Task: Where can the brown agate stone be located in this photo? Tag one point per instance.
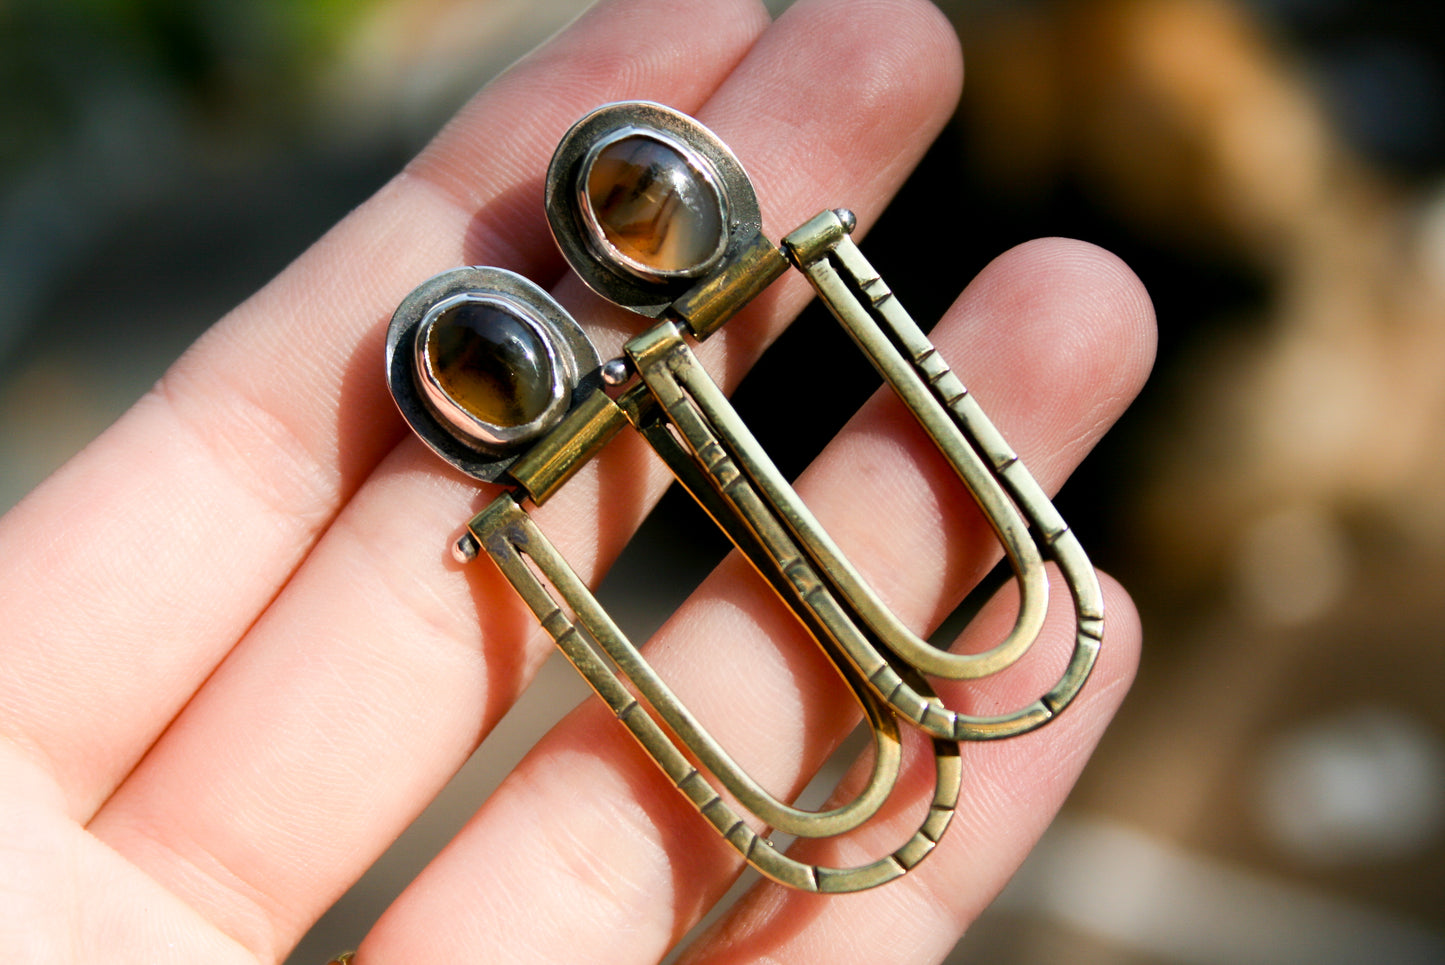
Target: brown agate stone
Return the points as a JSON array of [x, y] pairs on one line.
[[653, 207], [490, 363]]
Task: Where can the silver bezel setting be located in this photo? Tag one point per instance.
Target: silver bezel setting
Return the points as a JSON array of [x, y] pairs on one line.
[[647, 292], [482, 450]]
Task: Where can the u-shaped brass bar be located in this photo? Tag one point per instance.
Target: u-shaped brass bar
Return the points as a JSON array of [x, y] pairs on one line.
[[827, 588], [857, 296], [609, 662]]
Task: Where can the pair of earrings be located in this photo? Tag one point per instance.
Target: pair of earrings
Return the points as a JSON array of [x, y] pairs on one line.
[[654, 213]]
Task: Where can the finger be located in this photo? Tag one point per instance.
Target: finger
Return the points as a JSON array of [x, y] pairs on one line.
[[133, 571], [587, 832], [431, 654]]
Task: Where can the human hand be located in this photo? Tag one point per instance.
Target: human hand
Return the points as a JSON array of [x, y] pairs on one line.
[[238, 660]]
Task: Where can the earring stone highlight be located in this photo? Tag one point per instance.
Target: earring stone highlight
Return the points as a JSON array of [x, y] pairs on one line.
[[655, 214]]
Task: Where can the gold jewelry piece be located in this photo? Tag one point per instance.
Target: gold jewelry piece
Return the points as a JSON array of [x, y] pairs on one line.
[[343, 959], [655, 214]]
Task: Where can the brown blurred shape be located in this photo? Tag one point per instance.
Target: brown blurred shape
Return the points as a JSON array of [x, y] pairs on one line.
[[1287, 538]]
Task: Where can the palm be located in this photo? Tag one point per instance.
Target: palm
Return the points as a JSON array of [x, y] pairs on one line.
[[238, 661]]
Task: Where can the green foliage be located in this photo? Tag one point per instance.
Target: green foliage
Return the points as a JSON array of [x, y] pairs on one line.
[[240, 62]]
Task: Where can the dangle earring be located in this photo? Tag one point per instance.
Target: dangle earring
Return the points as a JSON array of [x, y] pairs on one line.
[[656, 215]]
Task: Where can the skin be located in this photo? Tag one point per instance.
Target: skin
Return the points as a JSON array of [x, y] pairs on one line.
[[238, 661]]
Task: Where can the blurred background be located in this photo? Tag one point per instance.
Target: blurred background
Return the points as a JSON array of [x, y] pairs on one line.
[[1274, 789]]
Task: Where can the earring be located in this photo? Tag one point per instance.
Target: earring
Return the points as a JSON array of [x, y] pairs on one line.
[[654, 213]]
